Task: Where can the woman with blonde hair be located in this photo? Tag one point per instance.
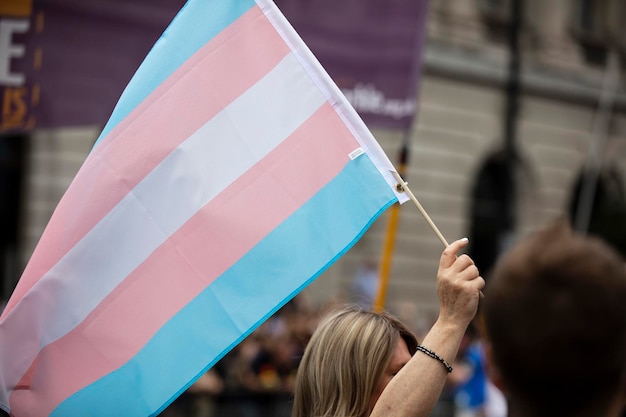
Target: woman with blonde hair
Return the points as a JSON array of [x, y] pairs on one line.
[[360, 363]]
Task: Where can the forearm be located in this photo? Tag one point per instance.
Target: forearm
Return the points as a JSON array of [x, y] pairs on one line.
[[414, 391]]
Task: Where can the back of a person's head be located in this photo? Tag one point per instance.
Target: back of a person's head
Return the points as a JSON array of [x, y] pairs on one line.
[[343, 361], [555, 315]]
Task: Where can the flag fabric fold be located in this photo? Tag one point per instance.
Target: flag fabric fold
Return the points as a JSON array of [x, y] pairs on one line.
[[230, 175]]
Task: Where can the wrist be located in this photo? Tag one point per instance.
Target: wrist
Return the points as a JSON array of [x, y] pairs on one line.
[[434, 355], [450, 326]]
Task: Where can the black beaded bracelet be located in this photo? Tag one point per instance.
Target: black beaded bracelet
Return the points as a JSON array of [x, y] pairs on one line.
[[435, 356]]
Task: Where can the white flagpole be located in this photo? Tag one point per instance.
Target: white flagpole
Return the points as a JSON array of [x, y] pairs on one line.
[[403, 186]]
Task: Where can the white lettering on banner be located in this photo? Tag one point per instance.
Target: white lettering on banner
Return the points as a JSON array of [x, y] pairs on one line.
[[9, 51], [367, 99]]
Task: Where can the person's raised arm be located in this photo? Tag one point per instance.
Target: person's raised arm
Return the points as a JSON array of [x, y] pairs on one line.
[[414, 391]]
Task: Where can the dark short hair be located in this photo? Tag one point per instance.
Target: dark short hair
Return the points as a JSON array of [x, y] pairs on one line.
[[555, 314]]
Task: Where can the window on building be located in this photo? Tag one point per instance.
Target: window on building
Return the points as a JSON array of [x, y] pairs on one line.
[[496, 15], [491, 214], [598, 26], [607, 219]]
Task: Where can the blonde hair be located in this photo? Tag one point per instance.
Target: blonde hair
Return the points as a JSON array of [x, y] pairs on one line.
[[344, 360]]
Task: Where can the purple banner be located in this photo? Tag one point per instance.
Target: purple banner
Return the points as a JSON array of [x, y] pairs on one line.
[[69, 60], [371, 48], [66, 62]]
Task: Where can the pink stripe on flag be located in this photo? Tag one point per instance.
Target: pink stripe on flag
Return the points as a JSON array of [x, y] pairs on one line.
[[292, 173], [175, 110]]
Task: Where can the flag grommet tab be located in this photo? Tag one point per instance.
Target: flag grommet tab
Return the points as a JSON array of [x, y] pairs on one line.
[[356, 153]]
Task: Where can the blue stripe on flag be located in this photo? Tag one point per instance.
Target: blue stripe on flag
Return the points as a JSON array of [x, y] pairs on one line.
[[196, 24], [242, 298]]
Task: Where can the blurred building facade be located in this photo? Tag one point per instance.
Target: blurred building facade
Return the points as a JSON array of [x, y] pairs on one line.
[[482, 117], [474, 127]]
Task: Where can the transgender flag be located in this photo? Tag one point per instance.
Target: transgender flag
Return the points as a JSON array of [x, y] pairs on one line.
[[230, 175]]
